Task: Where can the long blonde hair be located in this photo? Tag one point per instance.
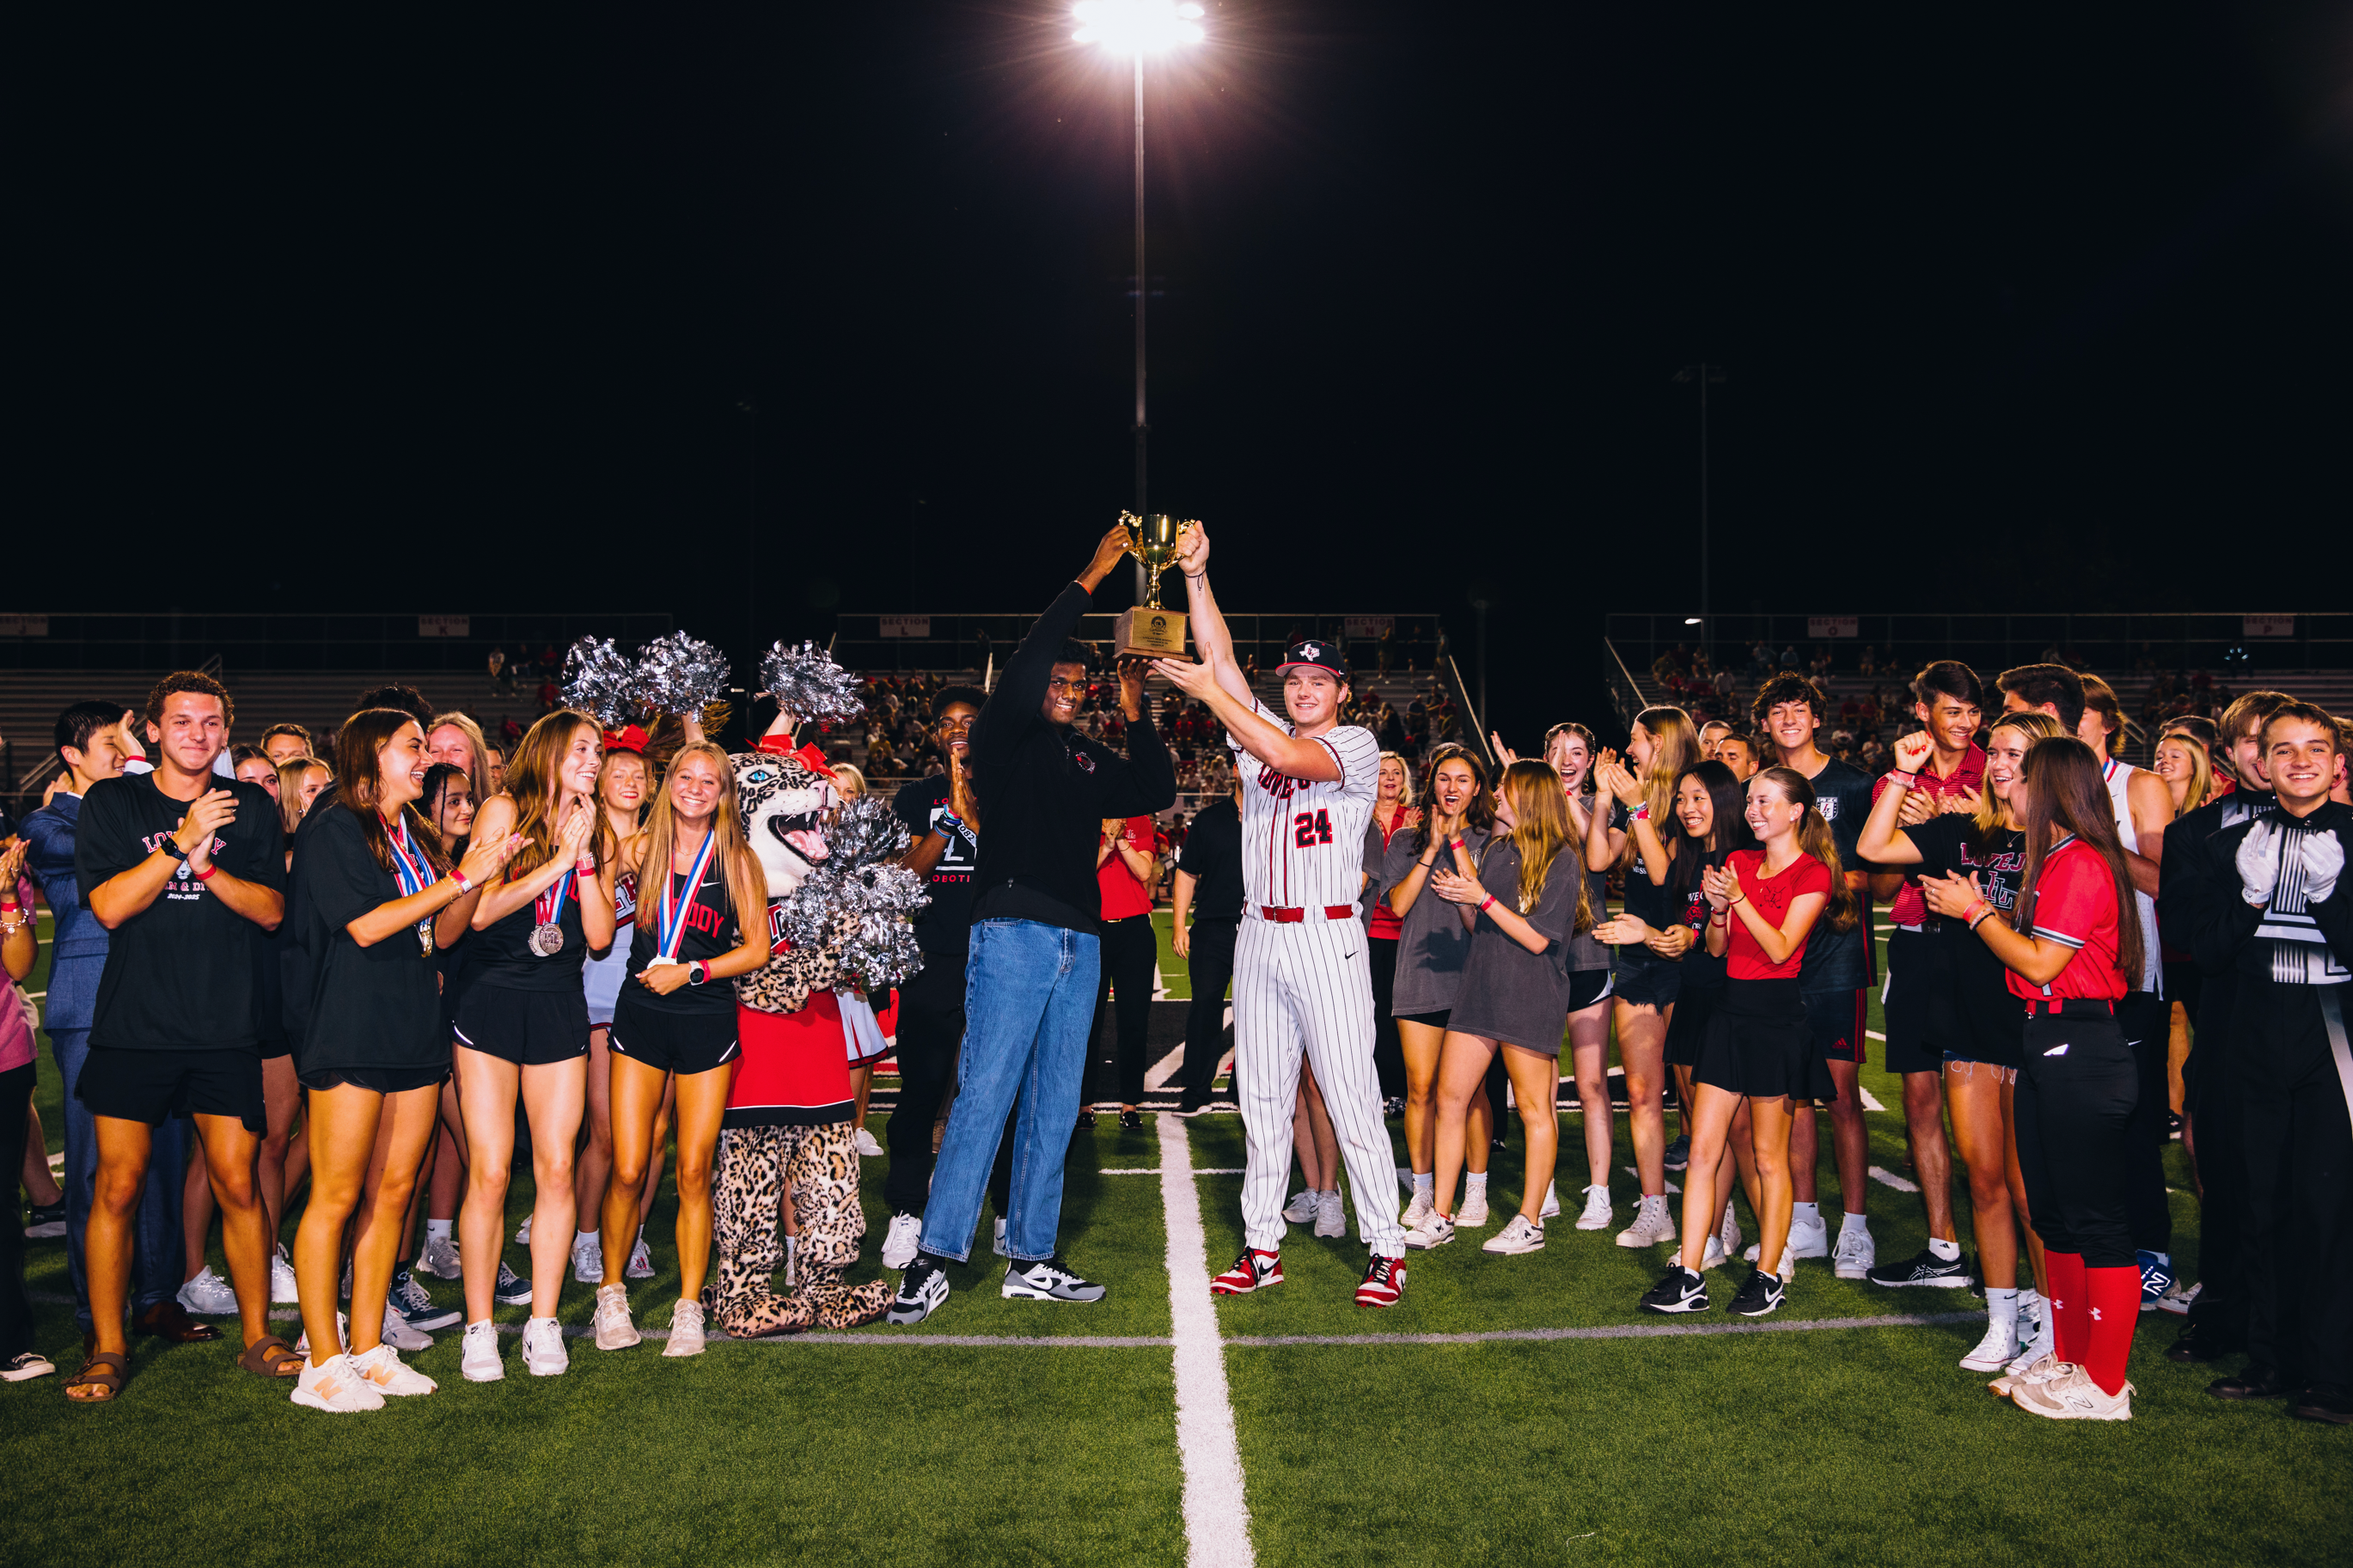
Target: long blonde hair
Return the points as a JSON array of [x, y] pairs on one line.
[[1405, 795], [2201, 768], [747, 884], [478, 772], [1674, 748], [1814, 838], [2034, 727], [531, 785], [1541, 833]]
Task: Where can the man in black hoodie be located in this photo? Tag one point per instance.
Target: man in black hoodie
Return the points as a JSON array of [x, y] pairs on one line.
[[1029, 982]]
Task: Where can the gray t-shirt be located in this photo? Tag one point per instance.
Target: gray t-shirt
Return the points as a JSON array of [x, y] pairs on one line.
[[1508, 993], [1431, 947]]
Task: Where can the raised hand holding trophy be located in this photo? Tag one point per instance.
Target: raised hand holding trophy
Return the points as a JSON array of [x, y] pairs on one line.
[[1146, 630]]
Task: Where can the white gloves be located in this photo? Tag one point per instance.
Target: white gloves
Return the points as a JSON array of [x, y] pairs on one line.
[[2323, 857], [2258, 863]]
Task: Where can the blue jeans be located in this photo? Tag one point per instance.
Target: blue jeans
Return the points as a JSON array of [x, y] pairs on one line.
[[1029, 1006], [157, 1261]]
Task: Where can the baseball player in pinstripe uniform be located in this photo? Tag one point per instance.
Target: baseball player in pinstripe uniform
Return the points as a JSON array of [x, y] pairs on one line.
[[1303, 978]]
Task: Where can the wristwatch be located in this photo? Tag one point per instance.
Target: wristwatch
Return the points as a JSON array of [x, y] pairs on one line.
[[697, 972], [171, 846]]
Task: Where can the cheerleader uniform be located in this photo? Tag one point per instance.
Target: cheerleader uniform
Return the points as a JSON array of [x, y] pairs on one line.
[[604, 977], [693, 1029], [1759, 1043], [520, 1005], [1640, 977]]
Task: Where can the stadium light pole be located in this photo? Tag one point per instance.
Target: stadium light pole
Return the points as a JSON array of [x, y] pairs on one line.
[[1138, 28], [1707, 375]]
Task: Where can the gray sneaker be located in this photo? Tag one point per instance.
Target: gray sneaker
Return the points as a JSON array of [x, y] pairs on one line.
[[1047, 1281]]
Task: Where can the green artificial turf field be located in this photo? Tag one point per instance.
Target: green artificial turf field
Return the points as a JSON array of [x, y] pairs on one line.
[[1503, 1413]]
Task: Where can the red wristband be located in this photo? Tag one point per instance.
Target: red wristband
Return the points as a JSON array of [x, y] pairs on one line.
[[1486, 901], [203, 876], [1909, 781]]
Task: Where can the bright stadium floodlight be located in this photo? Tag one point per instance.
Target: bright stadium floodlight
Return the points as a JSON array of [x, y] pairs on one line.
[[1136, 26], [1136, 29]]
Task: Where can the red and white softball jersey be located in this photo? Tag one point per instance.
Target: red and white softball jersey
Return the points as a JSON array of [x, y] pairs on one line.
[[1304, 839], [2075, 903]]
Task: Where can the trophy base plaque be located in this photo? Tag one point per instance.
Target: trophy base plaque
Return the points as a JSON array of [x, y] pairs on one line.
[[1143, 632]]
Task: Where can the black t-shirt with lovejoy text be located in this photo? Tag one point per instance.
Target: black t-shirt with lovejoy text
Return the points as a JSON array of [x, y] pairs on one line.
[[179, 973], [369, 1007], [1950, 846], [945, 926]]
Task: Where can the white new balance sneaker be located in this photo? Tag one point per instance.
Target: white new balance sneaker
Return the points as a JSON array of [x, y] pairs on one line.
[[1597, 1214], [588, 1259], [899, 1243], [685, 1330], [1474, 1212], [1301, 1208], [1330, 1215], [478, 1359], [2072, 1396], [384, 1371], [543, 1354], [1653, 1222], [614, 1330], [209, 1295], [335, 1388], [1855, 1253]]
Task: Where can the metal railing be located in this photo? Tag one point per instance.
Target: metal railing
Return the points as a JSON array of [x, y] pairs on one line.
[[1625, 691], [286, 641]]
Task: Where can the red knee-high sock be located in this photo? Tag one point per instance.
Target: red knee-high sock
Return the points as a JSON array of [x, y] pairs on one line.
[[2071, 1306], [2115, 1298]]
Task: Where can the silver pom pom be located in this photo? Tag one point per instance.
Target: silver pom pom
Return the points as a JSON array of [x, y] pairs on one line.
[[676, 674], [861, 901], [808, 684], [600, 682]]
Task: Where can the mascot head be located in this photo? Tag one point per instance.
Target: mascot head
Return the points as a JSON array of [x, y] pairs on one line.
[[781, 798]]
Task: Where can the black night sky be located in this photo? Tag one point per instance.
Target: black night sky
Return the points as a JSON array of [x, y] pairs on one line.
[[2025, 305]]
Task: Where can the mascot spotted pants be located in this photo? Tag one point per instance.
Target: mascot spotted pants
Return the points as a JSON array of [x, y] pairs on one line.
[[818, 1166]]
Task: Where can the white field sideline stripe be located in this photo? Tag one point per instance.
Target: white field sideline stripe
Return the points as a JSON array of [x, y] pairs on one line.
[[1217, 1513], [1197, 1171], [1608, 1332], [1882, 1174]]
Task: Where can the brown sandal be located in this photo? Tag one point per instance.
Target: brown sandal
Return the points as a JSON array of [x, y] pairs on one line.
[[102, 1369], [258, 1360]]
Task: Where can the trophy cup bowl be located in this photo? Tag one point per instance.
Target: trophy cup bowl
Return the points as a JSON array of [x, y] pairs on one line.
[[1148, 631]]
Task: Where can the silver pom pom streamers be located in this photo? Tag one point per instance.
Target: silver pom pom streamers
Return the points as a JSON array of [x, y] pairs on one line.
[[808, 684], [677, 674], [600, 682], [859, 900]]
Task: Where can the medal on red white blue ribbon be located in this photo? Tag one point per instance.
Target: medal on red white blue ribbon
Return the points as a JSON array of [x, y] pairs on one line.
[[547, 936], [669, 914], [414, 873]]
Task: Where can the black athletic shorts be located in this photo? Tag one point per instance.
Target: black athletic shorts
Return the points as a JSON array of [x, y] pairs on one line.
[[682, 1043], [1437, 1020], [1687, 1029], [1648, 981], [1837, 1018], [280, 1046], [376, 1080], [1587, 986], [529, 1028], [151, 1086], [1922, 1002], [1761, 1044]]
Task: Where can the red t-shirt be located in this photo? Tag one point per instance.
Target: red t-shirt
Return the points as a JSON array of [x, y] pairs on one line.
[[2075, 903], [1384, 922], [1743, 959], [1911, 906], [1122, 896]]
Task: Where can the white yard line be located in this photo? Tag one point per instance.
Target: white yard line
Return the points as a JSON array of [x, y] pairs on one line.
[[1886, 1177], [1217, 1514], [1870, 1100]]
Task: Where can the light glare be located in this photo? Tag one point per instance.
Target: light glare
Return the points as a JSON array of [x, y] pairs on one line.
[[1136, 26]]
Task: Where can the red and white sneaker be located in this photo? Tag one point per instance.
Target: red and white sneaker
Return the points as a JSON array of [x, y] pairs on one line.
[[1384, 1283], [1253, 1270]]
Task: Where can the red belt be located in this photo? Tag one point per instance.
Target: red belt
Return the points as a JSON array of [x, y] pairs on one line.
[[1283, 917], [2061, 1007]]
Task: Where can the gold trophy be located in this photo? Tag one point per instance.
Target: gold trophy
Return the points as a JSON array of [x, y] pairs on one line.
[[1145, 630]]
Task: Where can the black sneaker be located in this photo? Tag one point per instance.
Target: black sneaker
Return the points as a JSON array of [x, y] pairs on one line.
[[1924, 1267], [1393, 1107], [513, 1289], [1680, 1291], [1760, 1297], [922, 1291], [2330, 1402], [414, 1303], [1048, 1279], [1130, 1122], [46, 1222], [1679, 1154], [1086, 1119]]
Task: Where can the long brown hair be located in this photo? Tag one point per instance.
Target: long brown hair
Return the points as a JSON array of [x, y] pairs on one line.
[[1478, 813], [359, 776], [747, 884], [531, 784], [2064, 791], [1676, 748], [1541, 833], [1814, 838]]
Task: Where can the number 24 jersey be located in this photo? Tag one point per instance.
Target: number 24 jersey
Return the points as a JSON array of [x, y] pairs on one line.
[[1304, 839]]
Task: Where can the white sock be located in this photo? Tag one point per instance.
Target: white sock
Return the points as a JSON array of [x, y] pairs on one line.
[[438, 1229], [1944, 1251], [1474, 1182], [580, 1235], [1425, 1182], [1853, 1223], [2002, 1306], [1805, 1213], [642, 1232]]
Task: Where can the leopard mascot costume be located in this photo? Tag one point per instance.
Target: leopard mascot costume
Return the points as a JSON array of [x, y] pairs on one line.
[[789, 1120]]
